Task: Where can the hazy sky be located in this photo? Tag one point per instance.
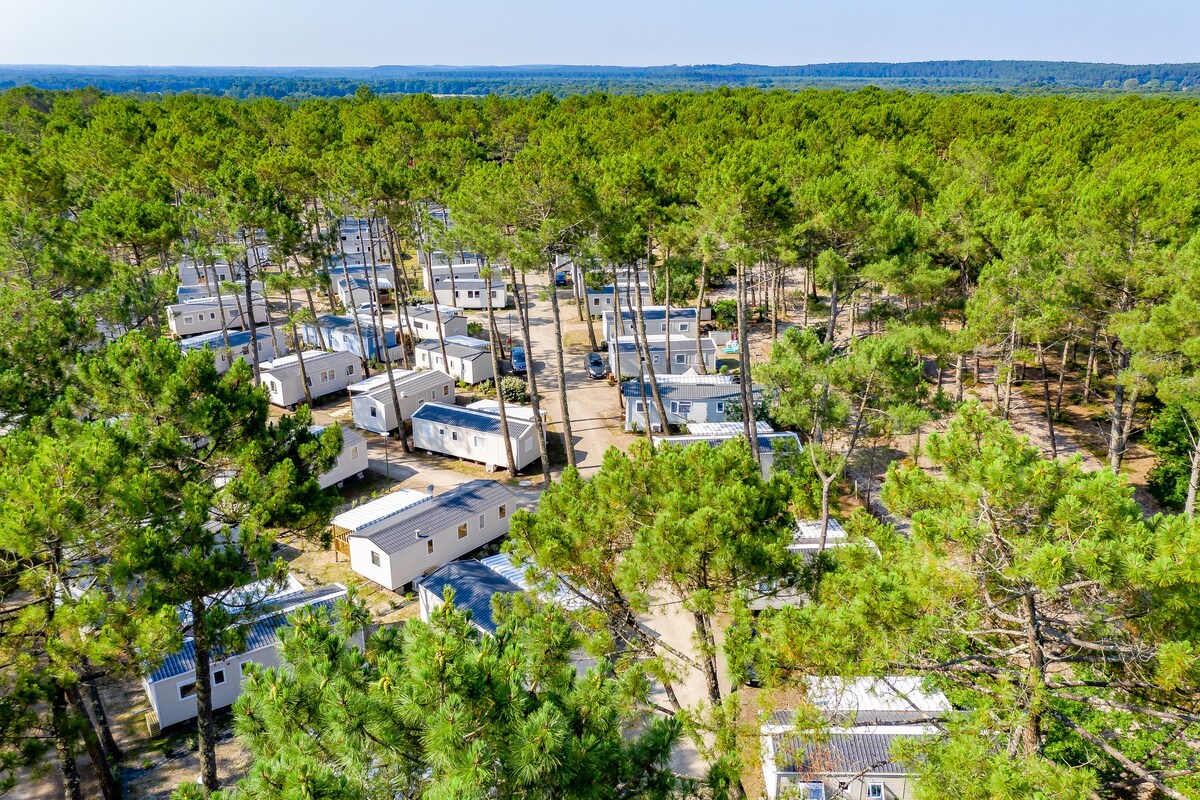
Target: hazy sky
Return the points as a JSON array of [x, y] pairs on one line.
[[632, 32]]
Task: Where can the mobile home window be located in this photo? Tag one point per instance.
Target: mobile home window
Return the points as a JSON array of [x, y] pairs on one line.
[[212, 315], [244, 666], [218, 677], [720, 408], [374, 559], [374, 412], [681, 358], [503, 511], [683, 327], [482, 520], [462, 531], [187, 690], [662, 328], [308, 382], [638, 406], [446, 390], [454, 436], [354, 452], [875, 791], [187, 320], [429, 547], [349, 369], [477, 441]]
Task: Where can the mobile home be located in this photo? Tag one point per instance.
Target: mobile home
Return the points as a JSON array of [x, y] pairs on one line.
[[352, 462], [686, 399], [238, 346], [374, 407], [469, 294], [171, 688], [475, 434], [414, 540], [194, 317], [327, 373], [467, 364], [678, 358]]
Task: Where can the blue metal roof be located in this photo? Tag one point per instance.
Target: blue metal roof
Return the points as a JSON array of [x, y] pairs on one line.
[[474, 585], [481, 421], [260, 633], [216, 340], [682, 391]]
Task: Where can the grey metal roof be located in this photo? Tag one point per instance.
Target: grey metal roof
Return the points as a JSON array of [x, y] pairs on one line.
[[260, 633], [683, 391], [474, 585], [452, 350], [458, 505], [471, 419], [840, 754], [407, 385]]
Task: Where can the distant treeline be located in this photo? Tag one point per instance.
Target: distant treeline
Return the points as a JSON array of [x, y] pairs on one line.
[[564, 80]]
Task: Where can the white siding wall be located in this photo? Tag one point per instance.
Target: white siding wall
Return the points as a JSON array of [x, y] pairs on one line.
[[414, 559], [193, 319], [383, 419], [485, 448]]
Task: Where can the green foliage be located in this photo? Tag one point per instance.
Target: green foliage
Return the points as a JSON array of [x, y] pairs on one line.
[[437, 710], [514, 389], [1171, 438]]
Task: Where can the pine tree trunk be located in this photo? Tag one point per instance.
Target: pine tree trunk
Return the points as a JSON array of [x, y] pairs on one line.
[[699, 308], [1046, 398], [437, 314], [1031, 739], [1090, 370], [72, 790], [300, 363], [704, 634], [1117, 431], [206, 732], [362, 342], [643, 345], [531, 371], [959, 367], [251, 320], [1062, 374], [1189, 505], [211, 275], [560, 369], [102, 765], [107, 740], [745, 379], [495, 336]]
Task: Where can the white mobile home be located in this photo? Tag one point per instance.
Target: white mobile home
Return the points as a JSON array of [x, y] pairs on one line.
[[204, 291], [683, 321], [671, 355], [854, 758], [238, 347], [402, 545], [340, 334], [172, 687], [423, 323], [686, 398], [470, 294], [352, 462], [442, 274], [373, 405], [195, 317], [475, 434], [625, 295], [192, 273], [474, 584], [467, 364], [362, 291], [327, 373]]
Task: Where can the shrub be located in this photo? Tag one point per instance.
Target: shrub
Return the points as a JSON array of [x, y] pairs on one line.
[[514, 389]]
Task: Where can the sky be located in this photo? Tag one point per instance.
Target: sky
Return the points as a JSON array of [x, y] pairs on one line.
[[609, 32]]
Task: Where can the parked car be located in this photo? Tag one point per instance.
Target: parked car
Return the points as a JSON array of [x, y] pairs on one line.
[[597, 368], [560, 279], [518, 361]]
